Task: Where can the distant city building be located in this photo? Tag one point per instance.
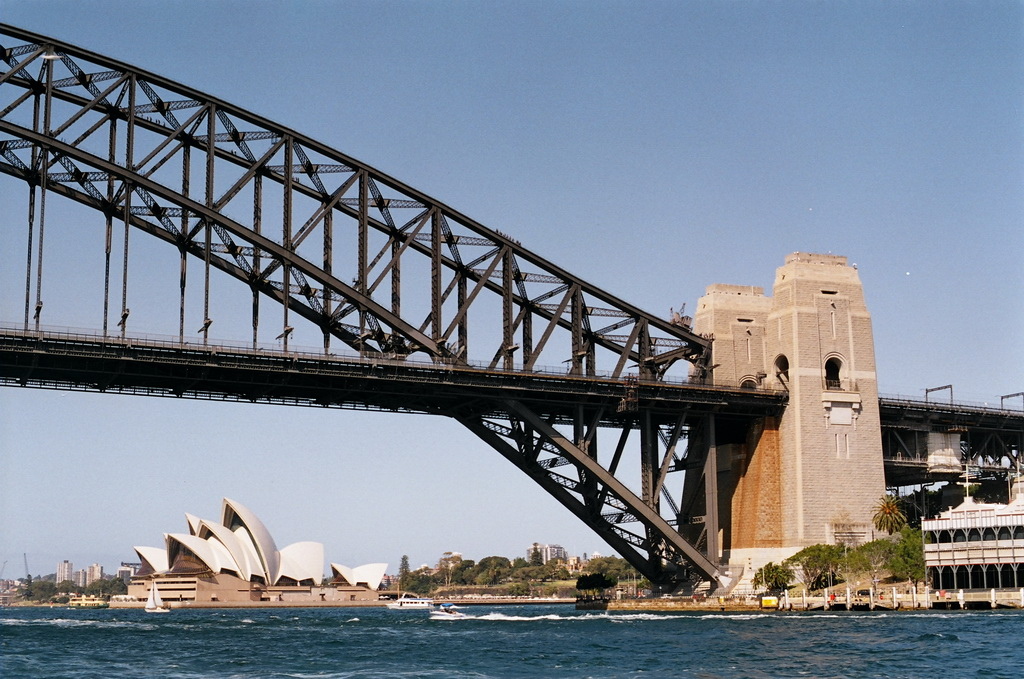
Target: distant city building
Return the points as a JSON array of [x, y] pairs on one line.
[[65, 570], [94, 573], [79, 578], [976, 545], [547, 552], [575, 564], [126, 570]]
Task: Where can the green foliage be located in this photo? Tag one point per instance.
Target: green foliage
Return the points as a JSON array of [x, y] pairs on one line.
[[536, 558], [612, 566], [594, 582], [773, 577], [520, 577], [403, 571], [817, 564], [907, 559], [519, 589], [419, 581], [871, 558], [68, 587], [889, 516], [41, 590], [106, 588]]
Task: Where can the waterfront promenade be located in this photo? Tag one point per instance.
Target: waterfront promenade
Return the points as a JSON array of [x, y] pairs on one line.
[[839, 600]]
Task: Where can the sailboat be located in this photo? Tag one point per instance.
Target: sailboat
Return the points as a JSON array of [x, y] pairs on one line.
[[154, 604]]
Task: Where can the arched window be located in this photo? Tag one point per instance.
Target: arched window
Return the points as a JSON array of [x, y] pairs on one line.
[[782, 369], [988, 534], [1004, 533], [833, 366], [748, 384], [974, 535]]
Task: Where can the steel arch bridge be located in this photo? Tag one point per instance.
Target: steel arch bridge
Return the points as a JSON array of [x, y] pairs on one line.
[[415, 306]]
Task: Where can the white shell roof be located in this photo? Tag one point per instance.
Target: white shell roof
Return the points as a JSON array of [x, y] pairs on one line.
[[156, 557], [237, 516], [371, 573], [303, 561], [246, 561], [241, 543]]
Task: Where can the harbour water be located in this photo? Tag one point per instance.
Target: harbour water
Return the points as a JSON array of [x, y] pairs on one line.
[[506, 641]]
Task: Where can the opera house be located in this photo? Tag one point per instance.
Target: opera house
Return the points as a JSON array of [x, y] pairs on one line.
[[236, 561]]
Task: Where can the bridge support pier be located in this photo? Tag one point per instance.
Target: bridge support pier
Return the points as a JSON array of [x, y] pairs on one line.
[[814, 474]]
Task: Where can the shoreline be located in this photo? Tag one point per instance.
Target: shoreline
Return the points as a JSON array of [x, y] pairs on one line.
[[380, 603]]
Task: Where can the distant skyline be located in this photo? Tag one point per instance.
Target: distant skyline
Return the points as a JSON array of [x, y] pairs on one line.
[[651, 148]]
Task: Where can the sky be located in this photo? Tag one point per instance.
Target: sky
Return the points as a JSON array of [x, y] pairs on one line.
[[650, 148]]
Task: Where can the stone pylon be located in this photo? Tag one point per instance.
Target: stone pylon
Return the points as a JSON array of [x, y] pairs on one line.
[[814, 474]]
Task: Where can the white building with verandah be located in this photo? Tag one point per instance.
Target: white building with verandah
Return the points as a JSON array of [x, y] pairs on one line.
[[976, 545]]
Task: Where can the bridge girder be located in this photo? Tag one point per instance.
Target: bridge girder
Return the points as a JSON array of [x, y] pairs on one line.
[[364, 260]]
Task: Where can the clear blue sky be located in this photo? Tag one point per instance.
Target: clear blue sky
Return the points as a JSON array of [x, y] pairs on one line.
[[652, 148]]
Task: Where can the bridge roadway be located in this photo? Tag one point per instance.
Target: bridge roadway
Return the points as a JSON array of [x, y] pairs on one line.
[[84, 362], [991, 437]]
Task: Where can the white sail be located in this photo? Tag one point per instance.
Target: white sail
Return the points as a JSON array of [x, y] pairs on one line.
[[154, 604]]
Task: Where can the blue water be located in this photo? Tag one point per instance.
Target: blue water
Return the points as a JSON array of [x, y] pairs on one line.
[[506, 641]]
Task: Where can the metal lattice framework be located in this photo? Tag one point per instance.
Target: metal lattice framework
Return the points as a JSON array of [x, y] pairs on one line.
[[369, 264], [990, 440]]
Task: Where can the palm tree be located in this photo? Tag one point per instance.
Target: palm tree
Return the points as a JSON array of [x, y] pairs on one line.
[[889, 516], [773, 577]]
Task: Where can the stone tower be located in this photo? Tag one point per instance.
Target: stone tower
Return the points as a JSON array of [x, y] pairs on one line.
[[814, 474]]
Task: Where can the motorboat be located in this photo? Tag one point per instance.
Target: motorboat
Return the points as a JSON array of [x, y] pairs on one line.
[[446, 612], [411, 602]]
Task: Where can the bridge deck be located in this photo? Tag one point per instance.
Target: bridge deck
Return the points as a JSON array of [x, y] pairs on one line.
[[68, 360]]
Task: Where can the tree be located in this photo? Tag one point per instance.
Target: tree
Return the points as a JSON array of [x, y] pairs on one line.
[[871, 558], [536, 558], [818, 564], [907, 560], [889, 516], [106, 587], [420, 581], [612, 566], [594, 583], [446, 565], [403, 571], [43, 590], [492, 570], [67, 587], [773, 577]]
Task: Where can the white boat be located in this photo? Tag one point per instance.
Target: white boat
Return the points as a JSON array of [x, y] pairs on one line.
[[447, 612], [154, 604], [411, 602]]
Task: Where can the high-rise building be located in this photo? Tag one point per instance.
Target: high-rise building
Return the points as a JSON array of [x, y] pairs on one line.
[[126, 571], [65, 570], [79, 578], [94, 573], [547, 552]]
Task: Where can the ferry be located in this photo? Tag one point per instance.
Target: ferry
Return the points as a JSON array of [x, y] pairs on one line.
[[82, 601], [411, 602]]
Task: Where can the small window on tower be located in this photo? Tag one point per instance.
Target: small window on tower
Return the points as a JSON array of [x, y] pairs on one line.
[[782, 369], [833, 366]]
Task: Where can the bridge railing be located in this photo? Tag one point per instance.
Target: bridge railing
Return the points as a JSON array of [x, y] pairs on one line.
[[966, 406]]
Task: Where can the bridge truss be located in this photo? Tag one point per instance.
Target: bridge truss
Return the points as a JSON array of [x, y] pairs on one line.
[[415, 306]]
